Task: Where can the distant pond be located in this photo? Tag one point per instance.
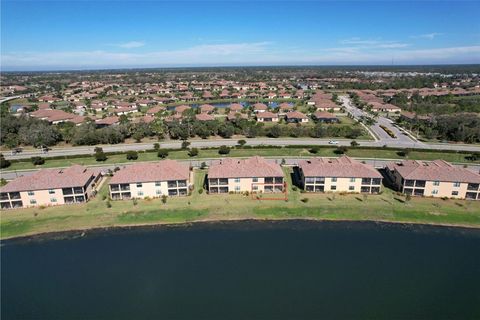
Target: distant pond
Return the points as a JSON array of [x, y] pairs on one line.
[[248, 270]]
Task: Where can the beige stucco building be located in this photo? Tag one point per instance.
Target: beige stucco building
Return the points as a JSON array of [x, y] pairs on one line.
[[153, 180], [342, 174], [434, 179], [50, 187], [240, 175]]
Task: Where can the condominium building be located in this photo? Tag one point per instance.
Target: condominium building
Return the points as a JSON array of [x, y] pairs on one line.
[[141, 180], [342, 174], [49, 187], [434, 179], [240, 175]]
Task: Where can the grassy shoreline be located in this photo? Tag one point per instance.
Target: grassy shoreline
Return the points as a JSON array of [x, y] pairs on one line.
[[388, 207]]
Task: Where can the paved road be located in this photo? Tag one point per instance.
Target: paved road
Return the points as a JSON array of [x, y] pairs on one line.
[[377, 163], [232, 142], [403, 141], [402, 138]]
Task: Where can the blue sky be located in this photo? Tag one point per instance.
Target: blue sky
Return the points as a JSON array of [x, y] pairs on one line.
[[48, 35]]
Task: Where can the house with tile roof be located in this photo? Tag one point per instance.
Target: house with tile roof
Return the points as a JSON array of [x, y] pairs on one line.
[[153, 179], [434, 179], [50, 187], [254, 174], [342, 174]]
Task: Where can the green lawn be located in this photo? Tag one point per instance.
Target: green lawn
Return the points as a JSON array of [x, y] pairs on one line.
[[203, 207], [265, 152]]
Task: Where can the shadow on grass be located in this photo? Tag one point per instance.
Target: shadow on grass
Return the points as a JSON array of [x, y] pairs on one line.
[[399, 200]]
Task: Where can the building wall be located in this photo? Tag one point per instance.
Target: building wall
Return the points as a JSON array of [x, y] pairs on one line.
[[353, 184], [443, 189], [151, 190], [243, 185]]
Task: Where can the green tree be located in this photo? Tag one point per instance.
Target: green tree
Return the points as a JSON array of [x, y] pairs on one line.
[[162, 153], [185, 144], [99, 154], [224, 150], [193, 152], [38, 161], [132, 155], [4, 163], [241, 142]]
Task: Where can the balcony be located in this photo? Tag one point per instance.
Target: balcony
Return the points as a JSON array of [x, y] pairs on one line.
[[367, 181], [172, 184], [409, 183], [125, 187], [473, 186], [3, 196], [114, 187], [420, 184]]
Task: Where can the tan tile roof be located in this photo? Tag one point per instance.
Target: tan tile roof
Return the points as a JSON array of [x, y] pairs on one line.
[[155, 109], [52, 115], [296, 115], [204, 117], [182, 108], [438, 170], [236, 107], [75, 176], [244, 168], [108, 120], [343, 167], [266, 114], [155, 171], [233, 115], [260, 106], [206, 108]]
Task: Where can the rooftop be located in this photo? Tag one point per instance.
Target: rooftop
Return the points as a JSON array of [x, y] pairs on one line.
[[343, 167], [244, 168], [155, 171]]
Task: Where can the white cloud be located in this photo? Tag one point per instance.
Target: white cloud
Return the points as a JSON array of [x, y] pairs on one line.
[[373, 43], [257, 53], [131, 44], [429, 36]]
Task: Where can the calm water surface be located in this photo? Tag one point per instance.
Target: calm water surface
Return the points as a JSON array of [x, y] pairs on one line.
[[288, 270]]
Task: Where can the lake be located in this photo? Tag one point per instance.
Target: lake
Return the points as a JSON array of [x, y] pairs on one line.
[[271, 104], [247, 270]]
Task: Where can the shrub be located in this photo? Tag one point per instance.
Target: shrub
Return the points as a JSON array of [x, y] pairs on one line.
[[314, 149], [104, 197], [38, 161], [203, 165], [162, 153], [100, 155], [164, 199], [2, 182], [304, 200], [341, 150], [224, 150], [4, 163], [132, 155], [200, 191], [354, 143], [193, 152], [156, 146], [294, 188], [108, 204], [185, 144], [241, 142], [134, 201]]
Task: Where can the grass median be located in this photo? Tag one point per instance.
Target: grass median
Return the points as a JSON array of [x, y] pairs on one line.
[[357, 152], [200, 206]]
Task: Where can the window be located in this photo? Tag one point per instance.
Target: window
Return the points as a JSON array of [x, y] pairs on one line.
[[4, 196], [158, 192], [366, 181], [454, 193], [435, 191], [237, 188], [31, 193], [157, 183], [53, 199], [376, 180], [140, 193], [254, 188], [320, 180], [352, 179], [456, 184], [255, 179], [33, 201], [51, 191], [334, 179], [309, 180], [237, 180], [351, 188], [139, 184], [333, 188], [436, 183]]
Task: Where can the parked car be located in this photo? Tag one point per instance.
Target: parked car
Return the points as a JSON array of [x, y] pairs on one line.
[[332, 142]]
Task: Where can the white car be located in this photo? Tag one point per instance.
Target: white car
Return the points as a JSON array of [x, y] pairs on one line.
[[332, 142]]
